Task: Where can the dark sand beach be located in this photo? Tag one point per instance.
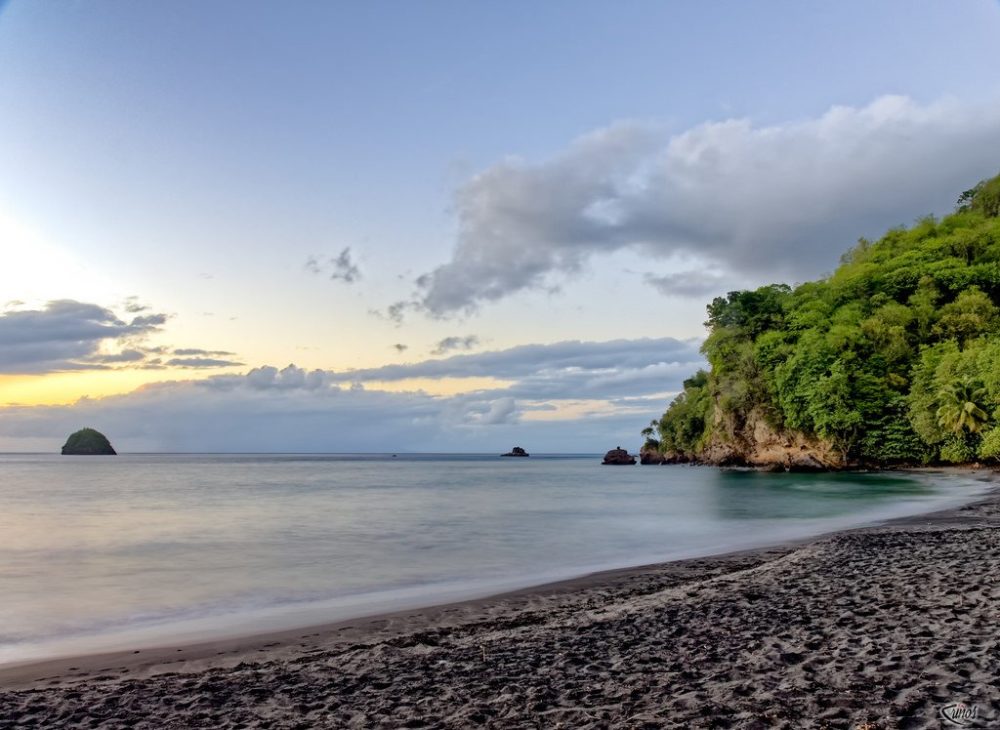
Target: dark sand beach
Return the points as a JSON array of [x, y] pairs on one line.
[[873, 628]]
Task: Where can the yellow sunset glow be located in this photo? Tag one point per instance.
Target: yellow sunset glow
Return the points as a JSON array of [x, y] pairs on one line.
[[69, 387]]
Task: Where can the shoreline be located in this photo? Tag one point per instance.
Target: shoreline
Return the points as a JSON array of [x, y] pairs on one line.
[[903, 609], [186, 654]]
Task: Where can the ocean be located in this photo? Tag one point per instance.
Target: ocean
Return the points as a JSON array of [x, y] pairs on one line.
[[105, 553]]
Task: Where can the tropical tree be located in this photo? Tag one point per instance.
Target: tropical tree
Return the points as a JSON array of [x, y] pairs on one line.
[[990, 446], [649, 431], [970, 315], [960, 410], [986, 199], [983, 198]]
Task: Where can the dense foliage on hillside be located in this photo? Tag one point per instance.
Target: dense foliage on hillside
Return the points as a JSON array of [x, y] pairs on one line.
[[894, 358]]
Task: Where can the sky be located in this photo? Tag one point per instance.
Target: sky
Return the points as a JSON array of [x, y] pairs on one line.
[[442, 226]]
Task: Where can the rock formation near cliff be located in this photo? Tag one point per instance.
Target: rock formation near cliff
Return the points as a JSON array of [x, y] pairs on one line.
[[619, 457]]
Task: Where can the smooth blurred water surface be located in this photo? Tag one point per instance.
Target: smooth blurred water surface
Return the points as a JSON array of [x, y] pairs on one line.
[[106, 552]]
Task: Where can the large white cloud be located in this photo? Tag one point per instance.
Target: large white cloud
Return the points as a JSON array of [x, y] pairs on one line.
[[776, 200]]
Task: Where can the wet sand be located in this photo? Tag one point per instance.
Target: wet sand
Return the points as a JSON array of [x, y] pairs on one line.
[[878, 627]]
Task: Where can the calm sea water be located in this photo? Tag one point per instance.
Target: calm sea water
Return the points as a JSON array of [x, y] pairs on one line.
[[100, 553]]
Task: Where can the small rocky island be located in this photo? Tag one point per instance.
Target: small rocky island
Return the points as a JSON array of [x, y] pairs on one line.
[[619, 457], [516, 451], [88, 442]]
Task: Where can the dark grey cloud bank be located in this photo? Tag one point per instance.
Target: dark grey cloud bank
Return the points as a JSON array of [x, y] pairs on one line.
[[523, 361], [620, 385], [772, 200], [572, 370], [69, 335]]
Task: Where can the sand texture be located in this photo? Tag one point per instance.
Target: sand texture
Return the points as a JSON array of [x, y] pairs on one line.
[[872, 628]]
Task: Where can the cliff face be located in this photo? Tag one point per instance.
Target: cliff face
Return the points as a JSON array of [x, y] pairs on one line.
[[755, 443], [650, 454]]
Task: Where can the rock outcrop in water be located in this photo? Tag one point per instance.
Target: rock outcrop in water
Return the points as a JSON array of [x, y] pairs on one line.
[[516, 451], [88, 442], [619, 457]]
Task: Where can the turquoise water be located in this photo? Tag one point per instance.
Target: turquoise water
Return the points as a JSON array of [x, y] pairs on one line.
[[102, 553]]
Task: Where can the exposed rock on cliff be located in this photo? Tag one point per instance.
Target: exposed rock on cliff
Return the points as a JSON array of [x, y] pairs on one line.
[[756, 443], [88, 442], [619, 457], [650, 454]]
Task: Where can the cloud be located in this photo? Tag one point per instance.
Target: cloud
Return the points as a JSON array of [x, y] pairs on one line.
[[602, 384], [69, 335], [133, 306], [573, 370], [188, 351], [612, 389], [557, 360], [686, 283], [449, 344], [400, 347], [395, 312], [774, 200], [201, 362], [287, 410], [201, 416], [492, 413], [341, 267], [288, 378], [149, 320], [123, 356]]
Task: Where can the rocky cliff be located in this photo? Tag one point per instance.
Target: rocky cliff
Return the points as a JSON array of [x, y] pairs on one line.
[[650, 454], [754, 442]]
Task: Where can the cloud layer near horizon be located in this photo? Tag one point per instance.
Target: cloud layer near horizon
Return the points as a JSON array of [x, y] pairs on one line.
[[67, 335], [775, 200], [615, 388]]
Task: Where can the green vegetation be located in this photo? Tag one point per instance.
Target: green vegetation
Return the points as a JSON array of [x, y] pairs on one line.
[[87, 442], [893, 359]]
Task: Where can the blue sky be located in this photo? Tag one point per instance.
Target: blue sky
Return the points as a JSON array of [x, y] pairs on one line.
[[506, 174]]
